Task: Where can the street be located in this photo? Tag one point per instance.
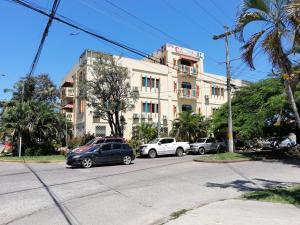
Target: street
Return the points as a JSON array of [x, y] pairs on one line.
[[145, 192]]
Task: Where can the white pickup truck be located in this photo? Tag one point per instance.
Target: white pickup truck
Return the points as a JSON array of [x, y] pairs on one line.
[[164, 146]]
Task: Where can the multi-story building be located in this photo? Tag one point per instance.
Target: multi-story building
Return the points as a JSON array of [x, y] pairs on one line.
[[178, 83]]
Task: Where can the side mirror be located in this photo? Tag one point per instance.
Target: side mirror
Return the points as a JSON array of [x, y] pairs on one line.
[[159, 143]]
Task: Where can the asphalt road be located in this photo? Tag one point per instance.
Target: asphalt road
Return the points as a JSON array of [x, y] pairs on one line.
[[145, 192]]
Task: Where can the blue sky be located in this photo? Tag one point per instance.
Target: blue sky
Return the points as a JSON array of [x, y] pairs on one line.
[[192, 22]]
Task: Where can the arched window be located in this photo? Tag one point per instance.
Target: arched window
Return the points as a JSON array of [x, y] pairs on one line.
[[186, 108]]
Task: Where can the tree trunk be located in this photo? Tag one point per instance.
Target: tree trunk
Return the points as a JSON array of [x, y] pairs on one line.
[[118, 126], [292, 102], [110, 122]]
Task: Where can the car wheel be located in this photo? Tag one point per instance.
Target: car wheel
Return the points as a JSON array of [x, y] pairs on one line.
[[276, 147], [127, 160], [152, 153], [87, 163], [179, 152], [201, 151]]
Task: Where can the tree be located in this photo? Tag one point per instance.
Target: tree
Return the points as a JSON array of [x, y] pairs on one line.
[[259, 110], [189, 126], [33, 115], [278, 37], [146, 132], [108, 91]]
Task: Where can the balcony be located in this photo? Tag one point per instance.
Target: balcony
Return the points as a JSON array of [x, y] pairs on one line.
[[69, 116], [187, 70], [187, 93], [68, 92]]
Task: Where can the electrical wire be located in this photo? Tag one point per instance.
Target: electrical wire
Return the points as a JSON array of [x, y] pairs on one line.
[[45, 34]]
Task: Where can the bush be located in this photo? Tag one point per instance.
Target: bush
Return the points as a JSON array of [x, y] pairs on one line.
[[81, 140], [38, 150]]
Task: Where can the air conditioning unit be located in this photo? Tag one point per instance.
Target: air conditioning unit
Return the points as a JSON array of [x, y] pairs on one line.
[[206, 98], [143, 116], [135, 116], [149, 116], [164, 117]]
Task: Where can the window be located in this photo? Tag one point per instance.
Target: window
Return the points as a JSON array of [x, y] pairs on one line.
[[149, 107], [117, 146], [169, 140], [222, 92], [126, 146], [210, 140], [157, 83], [186, 108], [100, 131], [186, 85], [106, 147], [144, 81]]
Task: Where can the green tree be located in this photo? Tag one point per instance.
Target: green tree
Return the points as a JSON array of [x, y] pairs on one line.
[[146, 132], [32, 115], [108, 91], [258, 110], [278, 36], [189, 126]]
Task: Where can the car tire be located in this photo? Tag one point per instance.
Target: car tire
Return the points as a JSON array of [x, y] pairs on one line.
[[201, 151], [127, 160], [152, 153], [87, 163], [179, 152]]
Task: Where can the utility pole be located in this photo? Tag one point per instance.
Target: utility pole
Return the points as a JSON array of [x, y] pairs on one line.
[[228, 78], [158, 103]]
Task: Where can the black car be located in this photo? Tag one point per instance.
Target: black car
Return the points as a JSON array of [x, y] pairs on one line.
[[100, 154]]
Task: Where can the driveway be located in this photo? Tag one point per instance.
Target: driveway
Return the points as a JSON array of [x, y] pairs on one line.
[[145, 192]]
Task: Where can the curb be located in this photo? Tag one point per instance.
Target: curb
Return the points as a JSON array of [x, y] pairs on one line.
[[224, 161], [33, 161]]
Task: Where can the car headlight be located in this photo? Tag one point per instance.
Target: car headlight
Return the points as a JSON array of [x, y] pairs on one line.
[[76, 156]]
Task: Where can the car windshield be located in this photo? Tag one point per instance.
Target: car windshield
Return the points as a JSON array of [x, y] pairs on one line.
[[154, 141], [90, 142], [201, 140], [93, 148]]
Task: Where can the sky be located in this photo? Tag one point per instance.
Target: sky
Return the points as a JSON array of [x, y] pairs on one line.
[[189, 23]]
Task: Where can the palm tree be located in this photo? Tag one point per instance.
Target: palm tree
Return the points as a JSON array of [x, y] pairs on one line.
[[188, 126], [278, 36], [146, 132]]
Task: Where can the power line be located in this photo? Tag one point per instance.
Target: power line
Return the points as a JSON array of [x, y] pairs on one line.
[[186, 17], [94, 34], [144, 22], [208, 13], [45, 34], [220, 9], [85, 30]]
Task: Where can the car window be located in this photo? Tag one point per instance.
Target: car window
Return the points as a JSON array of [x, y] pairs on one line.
[[201, 140], [106, 147], [94, 148], [117, 146], [163, 141], [114, 140], [210, 140], [126, 146], [169, 140]]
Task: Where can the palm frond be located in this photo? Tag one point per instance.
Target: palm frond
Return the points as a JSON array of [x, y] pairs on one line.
[[248, 48]]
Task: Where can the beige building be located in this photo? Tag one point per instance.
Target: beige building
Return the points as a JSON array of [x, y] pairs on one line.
[[183, 86]]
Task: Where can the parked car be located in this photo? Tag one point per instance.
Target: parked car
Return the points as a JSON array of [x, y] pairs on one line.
[[101, 154], [164, 146], [203, 145], [97, 141], [275, 143]]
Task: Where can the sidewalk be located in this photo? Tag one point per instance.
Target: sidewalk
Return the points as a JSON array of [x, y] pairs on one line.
[[240, 212]]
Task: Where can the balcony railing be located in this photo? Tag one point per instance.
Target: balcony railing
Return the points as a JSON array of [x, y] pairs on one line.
[[69, 116], [188, 70], [68, 92], [187, 93]]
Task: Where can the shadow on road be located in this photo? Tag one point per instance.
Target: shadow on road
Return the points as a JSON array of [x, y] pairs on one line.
[[58, 205]]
